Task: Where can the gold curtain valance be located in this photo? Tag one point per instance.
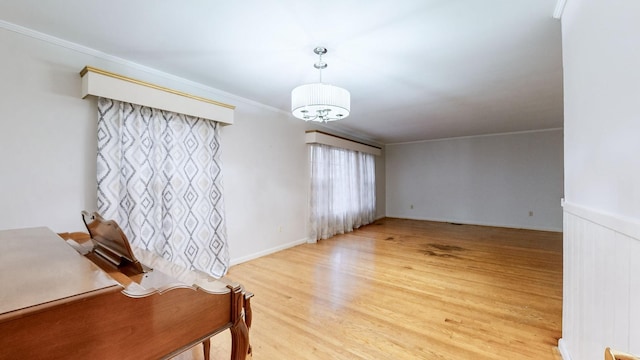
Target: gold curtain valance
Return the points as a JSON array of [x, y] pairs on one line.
[[106, 84]]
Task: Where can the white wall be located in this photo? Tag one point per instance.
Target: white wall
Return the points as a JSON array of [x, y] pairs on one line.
[[48, 148], [381, 185], [487, 180], [602, 169], [602, 91]]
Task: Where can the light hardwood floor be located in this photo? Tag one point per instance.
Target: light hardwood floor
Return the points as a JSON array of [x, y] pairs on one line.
[[406, 289]]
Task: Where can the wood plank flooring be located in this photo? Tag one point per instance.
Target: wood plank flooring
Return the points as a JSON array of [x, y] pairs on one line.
[[406, 289]]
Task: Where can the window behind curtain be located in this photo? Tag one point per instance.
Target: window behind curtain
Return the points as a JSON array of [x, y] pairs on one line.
[[342, 190]]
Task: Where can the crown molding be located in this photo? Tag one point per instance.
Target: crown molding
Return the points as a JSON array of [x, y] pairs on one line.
[[477, 136], [557, 13], [130, 64]]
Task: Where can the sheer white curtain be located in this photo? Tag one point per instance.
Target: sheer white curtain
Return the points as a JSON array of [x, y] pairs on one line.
[[343, 190], [159, 177]]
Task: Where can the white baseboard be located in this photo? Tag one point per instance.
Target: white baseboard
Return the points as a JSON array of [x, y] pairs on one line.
[[564, 352], [480, 223], [262, 253]]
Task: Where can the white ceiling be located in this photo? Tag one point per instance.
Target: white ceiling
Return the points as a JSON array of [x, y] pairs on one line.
[[416, 69]]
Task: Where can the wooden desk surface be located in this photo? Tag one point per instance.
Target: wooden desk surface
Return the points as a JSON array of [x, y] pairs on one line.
[[38, 268]]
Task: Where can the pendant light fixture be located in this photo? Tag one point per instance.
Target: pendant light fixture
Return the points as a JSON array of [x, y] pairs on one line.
[[318, 101]]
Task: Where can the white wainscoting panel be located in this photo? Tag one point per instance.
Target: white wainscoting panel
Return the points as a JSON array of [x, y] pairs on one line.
[[601, 300], [634, 299]]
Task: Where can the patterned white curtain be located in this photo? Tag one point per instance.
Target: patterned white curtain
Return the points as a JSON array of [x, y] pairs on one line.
[[343, 190], [159, 177]]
